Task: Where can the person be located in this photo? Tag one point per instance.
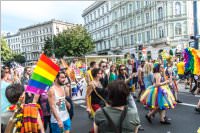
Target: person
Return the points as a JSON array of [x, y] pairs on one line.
[[8, 76], [96, 91], [89, 77], [16, 77], [104, 78], [24, 81], [159, 97], [170, 74], [141, 79], [4, 84], [117, 117], [148, 75], [181, 70], [112, 75], [43, 102], [60, 120], [197, 108], [33, 120]]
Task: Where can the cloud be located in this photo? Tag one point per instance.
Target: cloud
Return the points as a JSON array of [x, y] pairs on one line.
[[31, 12]]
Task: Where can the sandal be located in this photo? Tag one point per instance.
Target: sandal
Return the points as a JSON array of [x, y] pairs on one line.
[[148, 118]]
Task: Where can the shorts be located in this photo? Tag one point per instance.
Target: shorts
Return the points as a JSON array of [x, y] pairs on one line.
[[181, 76], [56, 129]]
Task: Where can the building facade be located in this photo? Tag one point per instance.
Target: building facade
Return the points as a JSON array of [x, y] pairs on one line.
[[33, 37], [152, 24], [14, 42]]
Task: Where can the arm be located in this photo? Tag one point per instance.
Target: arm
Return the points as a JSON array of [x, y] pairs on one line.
[[67, 93], [95, 128], [88, 93], [52, 103]]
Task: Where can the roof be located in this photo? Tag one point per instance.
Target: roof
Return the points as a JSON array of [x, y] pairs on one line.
[[44, 23], [92, 7]]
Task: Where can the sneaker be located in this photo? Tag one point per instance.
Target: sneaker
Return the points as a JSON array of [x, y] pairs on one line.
[[166, 122], [167, 118], [197, 109]]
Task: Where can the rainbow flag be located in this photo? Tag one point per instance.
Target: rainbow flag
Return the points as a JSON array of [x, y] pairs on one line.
[[43, 75]]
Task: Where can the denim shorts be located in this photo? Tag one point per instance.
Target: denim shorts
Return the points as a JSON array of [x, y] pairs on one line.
[[56, 129]]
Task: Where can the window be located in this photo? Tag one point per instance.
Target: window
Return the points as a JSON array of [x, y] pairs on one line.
[[90, 16], [116, 28], [132, 39], [108, 31], [146, 3], [177, 8], [107, 19], [117, 42], [130, 8], [107, 8], [125, 41], [131, 22], [160, 13], [138, 4], [57, 29], [103, 21], [147, 18], [138, 20], [102, 10], [95, 15], [148, 36], [115, 14], [139, 37], [124, 24], [123, 11], [178, 29], [161, 32], [98, 12]]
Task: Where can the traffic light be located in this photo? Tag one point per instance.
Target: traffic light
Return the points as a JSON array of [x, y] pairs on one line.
[[140, 47], [192, 37]]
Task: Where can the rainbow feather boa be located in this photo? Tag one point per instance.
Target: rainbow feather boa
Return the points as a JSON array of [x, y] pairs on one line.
[[192, 60]]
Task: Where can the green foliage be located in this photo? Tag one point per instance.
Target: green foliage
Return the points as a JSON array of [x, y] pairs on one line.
[[75, 41], [19, 58], [6, 54]]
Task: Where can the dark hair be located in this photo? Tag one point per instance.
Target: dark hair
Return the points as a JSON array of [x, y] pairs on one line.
[[13, 92], [59, 73], [101, 62], [3, 74], [118, 92], [95, 71], [120, 68], [156, 68], [92, 64]]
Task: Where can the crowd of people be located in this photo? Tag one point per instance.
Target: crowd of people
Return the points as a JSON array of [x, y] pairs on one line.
[[109, 98]]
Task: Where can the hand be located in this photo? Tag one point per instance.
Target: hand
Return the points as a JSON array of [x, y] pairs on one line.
[[60, 123], [88, 110]]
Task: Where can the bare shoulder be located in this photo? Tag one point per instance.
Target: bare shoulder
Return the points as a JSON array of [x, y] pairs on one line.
[[51, 90]]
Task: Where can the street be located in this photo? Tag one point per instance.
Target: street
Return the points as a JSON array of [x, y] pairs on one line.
[[184, 118]]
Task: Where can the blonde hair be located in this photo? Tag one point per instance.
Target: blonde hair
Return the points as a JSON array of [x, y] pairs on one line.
[[148, 68]]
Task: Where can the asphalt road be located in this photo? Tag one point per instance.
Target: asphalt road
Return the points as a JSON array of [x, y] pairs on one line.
[[184, 118]]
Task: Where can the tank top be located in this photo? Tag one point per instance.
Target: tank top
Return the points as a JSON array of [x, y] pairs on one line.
[[95, 98], [60, 108]]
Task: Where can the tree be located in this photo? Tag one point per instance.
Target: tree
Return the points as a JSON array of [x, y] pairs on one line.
[[75, 41], [19, 58], [6, 53]]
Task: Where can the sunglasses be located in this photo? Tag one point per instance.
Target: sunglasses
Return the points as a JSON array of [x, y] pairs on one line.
[[100, 73], [122, 69], [103, 66]]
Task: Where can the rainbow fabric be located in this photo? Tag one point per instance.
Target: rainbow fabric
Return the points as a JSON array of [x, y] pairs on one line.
[[43, 75], [158, 97], [192, 60]]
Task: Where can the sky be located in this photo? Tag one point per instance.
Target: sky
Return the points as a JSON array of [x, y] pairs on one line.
[[19, 14]]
